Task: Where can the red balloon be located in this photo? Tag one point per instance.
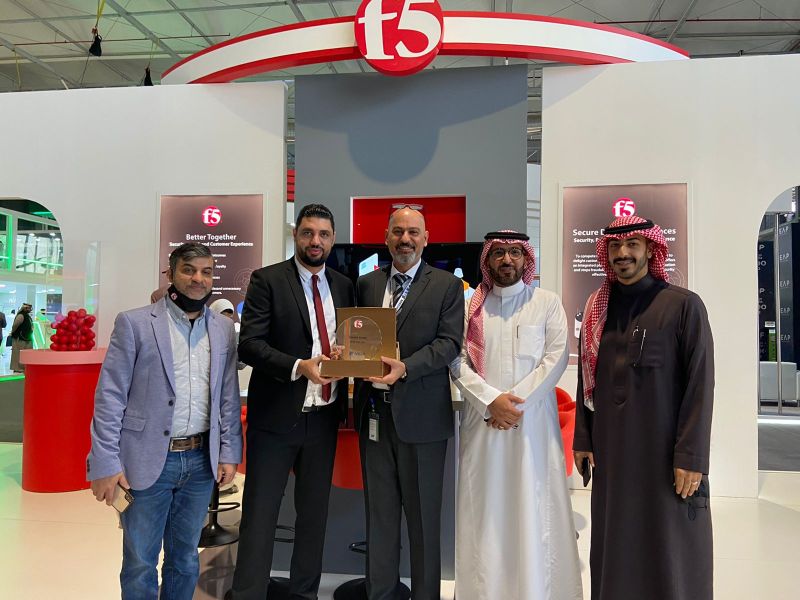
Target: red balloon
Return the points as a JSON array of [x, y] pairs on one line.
[[81, 312], [72, 314], [54, 325], [91, 319], [56, 347], [54, 338]]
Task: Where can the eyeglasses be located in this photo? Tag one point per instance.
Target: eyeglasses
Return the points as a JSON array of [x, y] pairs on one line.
[[498, 253]]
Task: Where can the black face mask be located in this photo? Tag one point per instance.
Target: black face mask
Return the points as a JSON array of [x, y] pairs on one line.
[[186, 304]]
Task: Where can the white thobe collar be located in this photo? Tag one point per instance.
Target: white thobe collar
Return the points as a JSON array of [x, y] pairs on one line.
[[511, 290]]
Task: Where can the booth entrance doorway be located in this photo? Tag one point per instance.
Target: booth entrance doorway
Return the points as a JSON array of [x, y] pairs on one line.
[[31, 272], [778, 260]]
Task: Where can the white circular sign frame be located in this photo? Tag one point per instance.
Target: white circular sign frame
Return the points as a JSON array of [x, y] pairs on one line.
[[465, 33]]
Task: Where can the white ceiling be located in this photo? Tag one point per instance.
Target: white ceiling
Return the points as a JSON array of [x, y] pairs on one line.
[[44, 44]]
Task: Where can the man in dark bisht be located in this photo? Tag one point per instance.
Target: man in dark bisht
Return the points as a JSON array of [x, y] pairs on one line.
[[645, 394]]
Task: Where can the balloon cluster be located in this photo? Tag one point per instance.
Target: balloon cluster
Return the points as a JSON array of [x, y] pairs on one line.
[[73, 332]]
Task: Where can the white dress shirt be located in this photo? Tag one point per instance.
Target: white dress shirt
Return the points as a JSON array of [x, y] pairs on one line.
[[314, 390], [387, 299], [191, 357]]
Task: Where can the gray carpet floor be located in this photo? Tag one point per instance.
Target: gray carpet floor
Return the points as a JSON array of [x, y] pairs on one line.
[[778, 447]]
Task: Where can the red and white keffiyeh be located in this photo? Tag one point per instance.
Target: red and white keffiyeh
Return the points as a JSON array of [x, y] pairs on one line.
[[475, 335], [596, 311]]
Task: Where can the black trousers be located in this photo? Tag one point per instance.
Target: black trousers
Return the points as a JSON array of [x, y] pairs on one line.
[[309, 449], [402, 476]]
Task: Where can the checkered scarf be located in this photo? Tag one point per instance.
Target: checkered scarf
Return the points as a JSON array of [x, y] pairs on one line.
[[596, 311], [475, 334]]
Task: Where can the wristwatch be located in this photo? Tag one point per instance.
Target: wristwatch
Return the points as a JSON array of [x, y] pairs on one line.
[[405, 374]]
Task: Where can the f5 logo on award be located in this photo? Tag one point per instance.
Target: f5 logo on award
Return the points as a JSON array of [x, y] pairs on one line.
[[399, 37], [624, 207], [212, 216]]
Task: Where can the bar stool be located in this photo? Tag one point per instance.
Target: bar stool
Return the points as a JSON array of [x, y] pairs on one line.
[[214, 534], [278, 586], [347, 475], [566, 420]]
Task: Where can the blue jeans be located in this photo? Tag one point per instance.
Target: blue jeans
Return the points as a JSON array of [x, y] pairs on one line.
[[173, 509]]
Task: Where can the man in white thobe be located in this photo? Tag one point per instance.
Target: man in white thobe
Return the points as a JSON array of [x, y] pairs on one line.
[[515, 536]]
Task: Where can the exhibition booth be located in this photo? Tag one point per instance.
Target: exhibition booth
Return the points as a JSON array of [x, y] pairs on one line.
[[709, 151]]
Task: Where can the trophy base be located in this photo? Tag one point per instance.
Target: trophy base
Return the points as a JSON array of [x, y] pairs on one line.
[[353, 368]]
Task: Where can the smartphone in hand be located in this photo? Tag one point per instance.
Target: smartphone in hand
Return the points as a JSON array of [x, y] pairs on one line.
[[586, 471], [122, 499]]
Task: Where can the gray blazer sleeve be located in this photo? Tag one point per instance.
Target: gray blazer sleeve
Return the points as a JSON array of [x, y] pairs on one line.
[[230, 433], [110, 400]]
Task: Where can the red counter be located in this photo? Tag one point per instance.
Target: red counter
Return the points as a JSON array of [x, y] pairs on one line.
[[59, 402]]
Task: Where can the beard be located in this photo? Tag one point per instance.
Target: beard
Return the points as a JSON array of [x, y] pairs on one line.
[[628, 269], [404, 259], [310, 260], [504, 276]]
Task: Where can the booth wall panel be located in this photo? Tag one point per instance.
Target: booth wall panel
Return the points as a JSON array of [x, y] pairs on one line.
[[729, 127], [438, 133], [99, 159]]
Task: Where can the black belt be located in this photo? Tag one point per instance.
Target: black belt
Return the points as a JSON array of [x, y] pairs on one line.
[[317, 407], [384, 396], [188, 442]]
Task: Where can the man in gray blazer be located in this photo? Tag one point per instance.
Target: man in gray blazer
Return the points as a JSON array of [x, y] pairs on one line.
[[166, 425], [406, 417]]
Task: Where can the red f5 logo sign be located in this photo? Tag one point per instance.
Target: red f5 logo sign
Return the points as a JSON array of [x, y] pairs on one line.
[[212, 216], [399, 37], [624, 207]]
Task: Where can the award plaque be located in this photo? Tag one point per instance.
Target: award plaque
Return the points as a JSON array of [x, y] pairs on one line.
[[363, 335]]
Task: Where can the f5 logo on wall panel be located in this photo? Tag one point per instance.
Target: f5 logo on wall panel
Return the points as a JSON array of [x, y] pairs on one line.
[[624, 207], [212, 216], [399, 37]]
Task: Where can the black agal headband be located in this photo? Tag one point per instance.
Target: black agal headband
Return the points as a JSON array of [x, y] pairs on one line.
[[507, 235], [622, 229]]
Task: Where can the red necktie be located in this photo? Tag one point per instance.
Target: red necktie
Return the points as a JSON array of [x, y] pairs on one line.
[[322, 328]]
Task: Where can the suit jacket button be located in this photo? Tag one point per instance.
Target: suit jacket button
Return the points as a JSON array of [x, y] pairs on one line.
[[166, 432], [171, 402]]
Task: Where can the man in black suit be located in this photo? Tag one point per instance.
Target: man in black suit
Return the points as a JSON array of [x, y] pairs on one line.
[[406, 417], [288, 326]]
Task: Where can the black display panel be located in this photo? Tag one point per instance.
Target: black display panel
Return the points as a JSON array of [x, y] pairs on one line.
[[346, 258]]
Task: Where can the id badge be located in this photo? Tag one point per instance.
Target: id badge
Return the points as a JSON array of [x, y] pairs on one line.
[[374, 419]]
